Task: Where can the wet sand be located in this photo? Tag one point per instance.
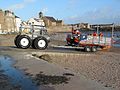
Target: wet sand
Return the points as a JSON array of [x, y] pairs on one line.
[[5, 83], [55, 76]]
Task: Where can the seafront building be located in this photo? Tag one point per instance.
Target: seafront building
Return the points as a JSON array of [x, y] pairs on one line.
[[9, 22], [50, 21]]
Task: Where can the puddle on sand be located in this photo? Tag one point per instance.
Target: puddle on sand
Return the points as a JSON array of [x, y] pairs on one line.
[[17, 77]]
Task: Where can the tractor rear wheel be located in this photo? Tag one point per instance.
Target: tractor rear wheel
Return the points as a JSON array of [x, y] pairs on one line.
[[23, 41], [16, 40]]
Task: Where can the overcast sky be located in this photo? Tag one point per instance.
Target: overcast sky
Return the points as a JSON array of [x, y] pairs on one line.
[[71, 11]]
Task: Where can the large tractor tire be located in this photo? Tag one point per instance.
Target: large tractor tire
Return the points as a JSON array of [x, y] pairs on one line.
[[16, 40], [23, 41], [40, 43]]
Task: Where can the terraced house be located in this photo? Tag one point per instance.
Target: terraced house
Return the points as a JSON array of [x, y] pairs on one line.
[[8, 22], [2, 21]]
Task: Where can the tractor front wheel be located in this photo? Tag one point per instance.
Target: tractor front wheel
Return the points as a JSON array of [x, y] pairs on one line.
[[40, 43]]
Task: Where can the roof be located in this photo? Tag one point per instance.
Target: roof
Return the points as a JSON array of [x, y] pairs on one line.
[[16, 16], [59, 21], [50, 18], [36, 19]]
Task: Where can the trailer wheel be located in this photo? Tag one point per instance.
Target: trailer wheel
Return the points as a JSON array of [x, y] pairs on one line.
[[16, 40], [40, 43], [23, 41], [87, 49], [94, 49]]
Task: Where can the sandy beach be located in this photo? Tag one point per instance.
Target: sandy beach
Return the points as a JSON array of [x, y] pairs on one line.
[[99, 70], [102, 67]]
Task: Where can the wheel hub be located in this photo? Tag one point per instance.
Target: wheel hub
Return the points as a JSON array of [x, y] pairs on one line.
[[24, 41], [41, 43]]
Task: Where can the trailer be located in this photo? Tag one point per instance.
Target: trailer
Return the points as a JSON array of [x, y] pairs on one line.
[[89, 42], [94, 43], [89, 45]]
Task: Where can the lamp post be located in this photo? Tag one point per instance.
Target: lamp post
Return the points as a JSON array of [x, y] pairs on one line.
[[98, 29], [112, 30]]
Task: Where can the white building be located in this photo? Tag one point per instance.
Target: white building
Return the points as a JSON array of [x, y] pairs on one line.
[[18, 23], [35, 21]]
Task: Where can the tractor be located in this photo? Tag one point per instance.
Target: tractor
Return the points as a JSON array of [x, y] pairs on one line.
[[34, 36]]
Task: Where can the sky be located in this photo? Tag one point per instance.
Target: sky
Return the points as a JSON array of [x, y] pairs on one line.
[[71, 11]]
